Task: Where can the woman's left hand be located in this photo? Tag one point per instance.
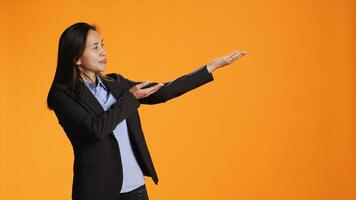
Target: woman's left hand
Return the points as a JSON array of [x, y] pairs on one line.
[[225, 60]]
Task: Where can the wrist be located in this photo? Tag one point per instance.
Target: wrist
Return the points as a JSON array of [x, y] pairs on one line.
[[210, 68]]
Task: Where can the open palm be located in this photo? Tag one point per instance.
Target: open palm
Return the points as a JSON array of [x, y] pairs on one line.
[[225, 60]]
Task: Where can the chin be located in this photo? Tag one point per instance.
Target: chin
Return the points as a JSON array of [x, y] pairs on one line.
[[101, 68]]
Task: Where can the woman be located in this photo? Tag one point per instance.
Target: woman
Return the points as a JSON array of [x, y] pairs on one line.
[[99, 114]]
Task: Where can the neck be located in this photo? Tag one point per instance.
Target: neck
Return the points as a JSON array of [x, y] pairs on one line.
[[89, 77]]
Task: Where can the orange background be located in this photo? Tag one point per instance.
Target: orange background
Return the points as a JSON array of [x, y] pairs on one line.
[[277, 124]]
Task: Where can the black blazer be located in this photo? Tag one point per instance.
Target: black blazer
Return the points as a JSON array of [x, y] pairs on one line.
[[97, 162]]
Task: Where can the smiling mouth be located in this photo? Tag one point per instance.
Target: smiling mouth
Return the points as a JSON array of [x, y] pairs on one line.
[[103, 61]]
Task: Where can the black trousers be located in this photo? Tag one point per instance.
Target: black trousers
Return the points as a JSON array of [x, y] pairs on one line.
[[139, 193]]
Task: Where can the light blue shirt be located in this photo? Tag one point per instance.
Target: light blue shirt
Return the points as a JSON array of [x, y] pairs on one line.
[[132, 173]]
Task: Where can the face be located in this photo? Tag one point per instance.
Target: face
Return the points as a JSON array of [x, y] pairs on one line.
[[94, 57]]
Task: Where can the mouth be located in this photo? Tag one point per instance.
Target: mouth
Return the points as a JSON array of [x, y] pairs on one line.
[[103, 61]]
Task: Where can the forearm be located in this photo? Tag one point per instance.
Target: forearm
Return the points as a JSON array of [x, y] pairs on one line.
[[78, 123], [179, 86]]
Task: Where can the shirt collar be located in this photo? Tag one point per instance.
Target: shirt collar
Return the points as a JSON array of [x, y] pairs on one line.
[[91, 85]]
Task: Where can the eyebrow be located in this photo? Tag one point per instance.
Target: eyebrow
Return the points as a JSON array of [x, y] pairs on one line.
[[97, 42]]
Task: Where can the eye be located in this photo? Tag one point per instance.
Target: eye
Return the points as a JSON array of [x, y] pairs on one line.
[[96, 47], [102, 45]]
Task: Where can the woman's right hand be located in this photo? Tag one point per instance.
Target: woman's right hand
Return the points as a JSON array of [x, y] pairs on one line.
[[139, 92]]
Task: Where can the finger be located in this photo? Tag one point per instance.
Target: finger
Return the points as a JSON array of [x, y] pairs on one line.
[[152, 88], [239, 55], [234, 53], [140, 85], [242, 53], [158, 87], [153, 91], [231, 56]]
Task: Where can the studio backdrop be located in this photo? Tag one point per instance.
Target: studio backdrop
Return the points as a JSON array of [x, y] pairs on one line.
[[277, 124]]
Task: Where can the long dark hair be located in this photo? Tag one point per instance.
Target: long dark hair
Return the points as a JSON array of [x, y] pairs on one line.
[[71, 47]]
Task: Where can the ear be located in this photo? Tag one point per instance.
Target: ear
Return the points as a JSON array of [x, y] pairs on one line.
[[79, 62]]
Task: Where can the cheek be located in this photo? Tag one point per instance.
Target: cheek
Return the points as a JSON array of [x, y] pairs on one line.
[[91, 60]]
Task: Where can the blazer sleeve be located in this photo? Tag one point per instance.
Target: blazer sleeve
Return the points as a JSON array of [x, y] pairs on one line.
[[176, 87], [79, 123]]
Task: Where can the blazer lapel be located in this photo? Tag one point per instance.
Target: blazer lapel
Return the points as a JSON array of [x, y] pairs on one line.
[[90, 101], [118, 89], [87, 97], [113, 87]]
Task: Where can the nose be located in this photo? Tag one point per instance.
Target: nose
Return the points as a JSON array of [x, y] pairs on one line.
[[103, 51]]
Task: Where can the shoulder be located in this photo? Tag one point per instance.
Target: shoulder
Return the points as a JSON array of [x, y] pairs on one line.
[[64, 88], [112, 75], [60, 88], [60, 91], [116, 76], [64, 91]]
